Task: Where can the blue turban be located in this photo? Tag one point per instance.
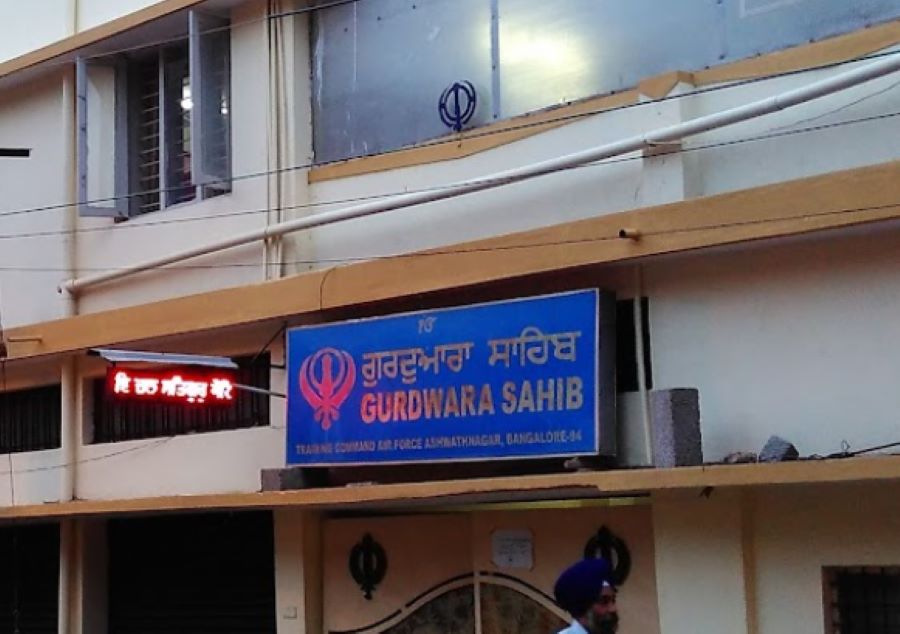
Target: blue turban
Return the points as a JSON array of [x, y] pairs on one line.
[[579, 586]]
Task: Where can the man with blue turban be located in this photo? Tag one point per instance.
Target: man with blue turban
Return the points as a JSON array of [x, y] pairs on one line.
[[585, 591]]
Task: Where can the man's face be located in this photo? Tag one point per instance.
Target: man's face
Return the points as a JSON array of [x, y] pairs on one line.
[[603, 617]]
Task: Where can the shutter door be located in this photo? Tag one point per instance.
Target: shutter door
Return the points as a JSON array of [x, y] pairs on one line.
[[29, 578], [192, 574]]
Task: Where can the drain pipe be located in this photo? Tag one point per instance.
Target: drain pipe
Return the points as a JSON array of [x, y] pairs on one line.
[[70, 420], [632, 144], [69, 415]]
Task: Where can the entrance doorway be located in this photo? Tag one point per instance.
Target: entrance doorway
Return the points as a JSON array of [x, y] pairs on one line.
[[485, 571], [192, 573]]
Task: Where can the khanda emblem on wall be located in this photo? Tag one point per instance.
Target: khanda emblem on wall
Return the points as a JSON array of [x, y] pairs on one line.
[[326, 380], [368, 565]]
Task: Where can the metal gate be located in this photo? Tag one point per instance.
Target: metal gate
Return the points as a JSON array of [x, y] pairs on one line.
[[29, 578], [192, 574]]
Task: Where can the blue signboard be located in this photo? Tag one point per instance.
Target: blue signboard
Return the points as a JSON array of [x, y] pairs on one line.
[[510, 379]]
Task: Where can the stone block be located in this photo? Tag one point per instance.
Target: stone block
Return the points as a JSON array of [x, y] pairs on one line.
[[675, 421]]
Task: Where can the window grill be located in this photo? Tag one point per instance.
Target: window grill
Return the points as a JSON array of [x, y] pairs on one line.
[[147, 150], [29, 578], [192, 573], [116, 421], [30, 419], [178, 106], [862, 600]]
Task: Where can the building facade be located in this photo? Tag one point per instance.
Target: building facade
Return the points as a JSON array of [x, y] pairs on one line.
[[203, 177]]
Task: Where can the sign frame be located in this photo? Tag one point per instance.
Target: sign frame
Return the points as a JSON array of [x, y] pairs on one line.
[[604, 414]]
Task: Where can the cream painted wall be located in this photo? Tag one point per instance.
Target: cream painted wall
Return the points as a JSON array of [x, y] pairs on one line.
[[409, 542], [298, 571], [31, 267], [549, 200], [455, 544], [95, 12], [29, 25], [699, 563], [34, 480], [25, 26], [795, 340], [766, 548], [801, 530], [842, 138], [214, 462]]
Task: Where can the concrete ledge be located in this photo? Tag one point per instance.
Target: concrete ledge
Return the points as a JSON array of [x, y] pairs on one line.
[[509, 489]]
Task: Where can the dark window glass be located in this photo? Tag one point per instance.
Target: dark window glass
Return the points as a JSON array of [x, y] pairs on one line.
[[30, 419]]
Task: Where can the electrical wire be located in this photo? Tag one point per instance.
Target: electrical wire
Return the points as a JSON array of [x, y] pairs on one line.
[[468, 250], [159, 442], [625, 159], [846, 453], [456, 139]]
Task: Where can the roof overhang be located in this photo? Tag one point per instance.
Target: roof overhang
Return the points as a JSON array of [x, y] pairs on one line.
[[423, 495], [154, 23]]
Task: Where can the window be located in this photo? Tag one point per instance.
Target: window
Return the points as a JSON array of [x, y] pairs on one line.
[[115, 421], [154, 124], [30, 420], [380, 66], [864, 600]]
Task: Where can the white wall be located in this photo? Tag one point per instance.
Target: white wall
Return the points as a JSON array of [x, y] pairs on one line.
[[92, 13], [194, 464], [699, 563], [32, 267], [796, 340], [800, 531], [35, 477], [25, 26], [765, 548], [840, 142], [546, 201]]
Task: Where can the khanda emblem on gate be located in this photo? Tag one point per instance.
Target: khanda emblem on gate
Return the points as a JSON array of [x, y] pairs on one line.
[[368, 565], [613, 549], [326, 380]]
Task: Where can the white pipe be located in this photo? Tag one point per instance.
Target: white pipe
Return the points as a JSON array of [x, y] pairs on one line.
[[70, 419], [70, 169], [638, 320], [625, 146]]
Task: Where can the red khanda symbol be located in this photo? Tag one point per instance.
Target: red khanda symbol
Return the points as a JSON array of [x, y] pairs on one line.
[[326, 380]]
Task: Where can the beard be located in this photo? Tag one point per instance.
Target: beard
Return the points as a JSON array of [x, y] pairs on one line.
[[605, 624]]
